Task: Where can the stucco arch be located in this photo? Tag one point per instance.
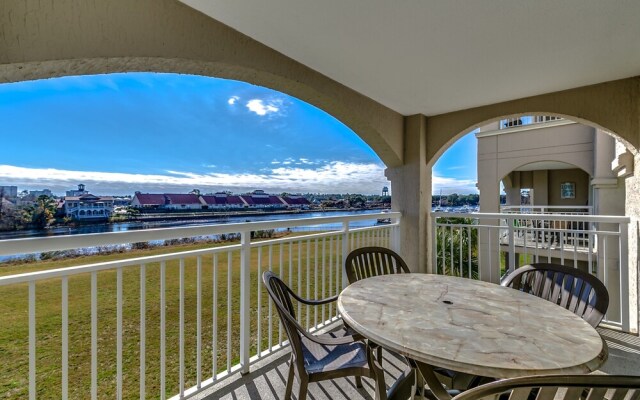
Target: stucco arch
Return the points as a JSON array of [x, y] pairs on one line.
[[46, 38], [611, 106], [507, 168]]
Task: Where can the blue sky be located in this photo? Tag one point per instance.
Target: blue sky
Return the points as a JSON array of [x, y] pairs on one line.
[[120, 133]]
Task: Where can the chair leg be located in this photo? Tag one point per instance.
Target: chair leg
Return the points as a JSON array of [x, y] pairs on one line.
[[287, 393], [359, 382], [379, 355], [380, 386], [302, 394]]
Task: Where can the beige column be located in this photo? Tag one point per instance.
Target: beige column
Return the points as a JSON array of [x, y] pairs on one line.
[[489, 187], [411, 193]]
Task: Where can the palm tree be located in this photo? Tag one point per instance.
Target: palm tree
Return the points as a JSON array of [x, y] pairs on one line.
[[457, 247], [42, 213]]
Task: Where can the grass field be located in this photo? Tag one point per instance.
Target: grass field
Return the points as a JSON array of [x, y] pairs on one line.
[[14, 369]]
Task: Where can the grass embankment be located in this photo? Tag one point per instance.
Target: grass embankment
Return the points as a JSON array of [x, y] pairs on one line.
[[14, 368]]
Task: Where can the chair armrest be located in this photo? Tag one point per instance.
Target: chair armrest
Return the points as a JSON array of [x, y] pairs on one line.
[[321, 339], [313, 302]]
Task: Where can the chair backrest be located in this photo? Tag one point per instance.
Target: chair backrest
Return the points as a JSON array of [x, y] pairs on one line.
[[577, 291], [279, 293], [565, 387], [366, 262]]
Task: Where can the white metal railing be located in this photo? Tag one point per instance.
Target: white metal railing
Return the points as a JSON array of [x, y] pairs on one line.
[[527, 120], [191, 318], [486, 246], [563, 210]]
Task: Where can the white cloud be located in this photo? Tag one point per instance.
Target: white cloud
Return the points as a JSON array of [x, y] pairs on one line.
[[453, 185], [233, 99], [259, 107], [333, 177]]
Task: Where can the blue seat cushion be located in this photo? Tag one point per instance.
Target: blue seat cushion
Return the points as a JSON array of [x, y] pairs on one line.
[[322, 358]]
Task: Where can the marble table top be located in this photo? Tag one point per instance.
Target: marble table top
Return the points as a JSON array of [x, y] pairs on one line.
[[471, 326]]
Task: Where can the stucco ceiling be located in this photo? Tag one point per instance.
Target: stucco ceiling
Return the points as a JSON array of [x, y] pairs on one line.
[[436, 56]]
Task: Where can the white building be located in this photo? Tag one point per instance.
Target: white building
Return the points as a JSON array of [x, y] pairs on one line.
[[88, 207]]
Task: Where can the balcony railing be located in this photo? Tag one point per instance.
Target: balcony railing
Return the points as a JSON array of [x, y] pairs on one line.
[[487, 246], [173, 323], [563, 210], [527, 120]]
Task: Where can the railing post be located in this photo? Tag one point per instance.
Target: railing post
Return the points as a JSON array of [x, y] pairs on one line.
[[245, 301], [625, 299], [432, 267], [345, 251], [395, 236], [512, 245]]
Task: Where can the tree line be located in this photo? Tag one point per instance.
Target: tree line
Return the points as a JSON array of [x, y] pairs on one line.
[[456, 200]]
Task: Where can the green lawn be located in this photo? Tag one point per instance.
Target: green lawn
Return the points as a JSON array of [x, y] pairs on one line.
[[14, 325]]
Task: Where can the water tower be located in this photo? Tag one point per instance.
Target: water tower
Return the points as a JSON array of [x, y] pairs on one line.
[[385, 191]]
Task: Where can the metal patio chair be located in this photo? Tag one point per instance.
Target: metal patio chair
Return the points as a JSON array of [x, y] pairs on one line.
[[320, 357], [366, 262], [561, 387], [577, 291]]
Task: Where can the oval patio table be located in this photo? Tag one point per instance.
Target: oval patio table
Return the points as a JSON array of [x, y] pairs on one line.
[[470, 326]]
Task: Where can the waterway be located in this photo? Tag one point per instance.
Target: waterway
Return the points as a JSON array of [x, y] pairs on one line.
[[138, 225]]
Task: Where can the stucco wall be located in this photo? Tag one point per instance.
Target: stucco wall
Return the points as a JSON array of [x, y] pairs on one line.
[[579, 177], [613, 106], [47, 38]]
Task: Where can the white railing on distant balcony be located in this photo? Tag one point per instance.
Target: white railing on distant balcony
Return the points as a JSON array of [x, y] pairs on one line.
[[527, 120], [174, 323], [563, 210], [486, 246]]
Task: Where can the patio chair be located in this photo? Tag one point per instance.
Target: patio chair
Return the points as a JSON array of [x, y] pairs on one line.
[[577, 291], [320, 357], [366, 262], [565, 387]]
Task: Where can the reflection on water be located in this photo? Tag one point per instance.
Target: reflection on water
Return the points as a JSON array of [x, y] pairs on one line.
[[129, 226], [133, 226]]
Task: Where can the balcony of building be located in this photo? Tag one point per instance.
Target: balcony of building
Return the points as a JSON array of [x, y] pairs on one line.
[[186, 315], [186, 320]]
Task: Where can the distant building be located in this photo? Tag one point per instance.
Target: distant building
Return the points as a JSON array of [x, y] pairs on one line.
[[77, 193], [88, 207], [121, 201], [296, 201], [183, 202], [258, 199], [167, 201], [8, 192], [38, 193], [223, 201], [148, 200]]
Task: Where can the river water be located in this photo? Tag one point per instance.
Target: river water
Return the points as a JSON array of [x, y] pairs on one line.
[[137, 225]]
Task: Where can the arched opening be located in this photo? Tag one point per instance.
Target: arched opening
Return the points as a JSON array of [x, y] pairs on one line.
[[167, 133], [565, 188]]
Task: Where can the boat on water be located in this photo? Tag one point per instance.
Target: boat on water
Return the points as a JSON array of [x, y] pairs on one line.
[[383, 221]]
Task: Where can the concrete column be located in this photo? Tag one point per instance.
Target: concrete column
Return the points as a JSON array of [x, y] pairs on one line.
[[511, 184], [541, 187], [489, 187], [411, 193], [632, 210]]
